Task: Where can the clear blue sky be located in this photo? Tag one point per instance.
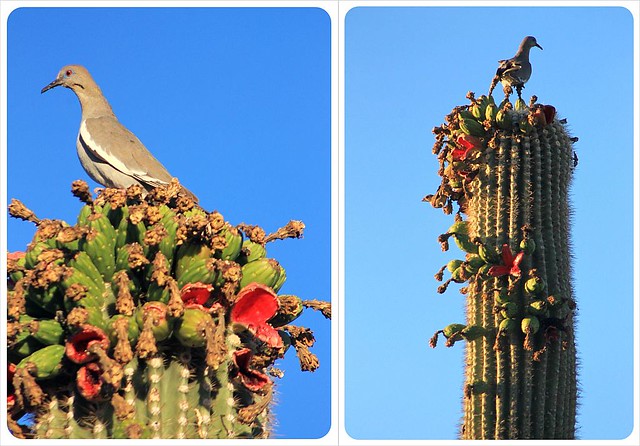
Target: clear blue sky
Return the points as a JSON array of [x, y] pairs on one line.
[[234, 102], [405, 69]]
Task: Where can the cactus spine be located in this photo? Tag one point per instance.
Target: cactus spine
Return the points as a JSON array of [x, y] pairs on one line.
[[511, 183], [137, 321]]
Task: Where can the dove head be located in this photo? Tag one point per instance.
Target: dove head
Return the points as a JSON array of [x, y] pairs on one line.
[[528, 43], [78, 79], [75, 77]]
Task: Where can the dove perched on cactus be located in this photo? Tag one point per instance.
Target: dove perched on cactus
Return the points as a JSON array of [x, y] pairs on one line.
[[515, 72], [111, 154]]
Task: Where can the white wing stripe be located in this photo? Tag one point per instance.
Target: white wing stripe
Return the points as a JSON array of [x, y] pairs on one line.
[[102, 153]]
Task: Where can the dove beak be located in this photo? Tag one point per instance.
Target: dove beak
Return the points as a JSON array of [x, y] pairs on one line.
[[53, 84]]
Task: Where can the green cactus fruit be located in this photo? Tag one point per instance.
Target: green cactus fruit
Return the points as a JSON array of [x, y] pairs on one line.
[[521, 106], [68, 238], [465, 244], [76, 280], [156, 313], [459, 228], [530, 325], [168, 244], [85, 211], [128, 232], [290, 309], [114, 214], [460, 234], [191, 327], [491, 112], [17, 274], [47, 331], [473, 332], [503, 120], [537, 308], [251, 251], [234, 242], [47, 361], [528, 246], [203, 272], [460, 275], [281, 279], [83, 263], [453, 331], [505, 103], [454, 265], [534, 285], [32, 253], [100, 243], [465, 114], [508, 325], [488, 254], [48, 299], [472, 127], [483, 272], [265, 271], [473, 263], [25, 346], [190, 255], [477, 110]]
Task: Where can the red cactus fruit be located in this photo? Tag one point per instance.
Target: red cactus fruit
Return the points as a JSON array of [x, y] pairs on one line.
[[254, 306], [77, 346], [510, 264], [252, 379]]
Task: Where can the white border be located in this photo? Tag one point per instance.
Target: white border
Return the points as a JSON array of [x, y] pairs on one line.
[[331, 8], [337, 12], [634, 7]]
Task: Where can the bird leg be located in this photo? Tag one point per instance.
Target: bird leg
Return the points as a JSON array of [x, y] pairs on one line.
[[519, 88]]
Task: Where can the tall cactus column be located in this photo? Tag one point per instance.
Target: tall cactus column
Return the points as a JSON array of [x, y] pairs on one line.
[[509, 170]]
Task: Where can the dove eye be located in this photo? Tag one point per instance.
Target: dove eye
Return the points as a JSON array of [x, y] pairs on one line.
[[69, 73]]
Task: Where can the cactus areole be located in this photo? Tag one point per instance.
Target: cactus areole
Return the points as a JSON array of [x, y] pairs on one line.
[[508, 169], [148, 318]]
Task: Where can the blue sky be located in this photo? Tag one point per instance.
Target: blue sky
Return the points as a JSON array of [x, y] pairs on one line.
[[405, 68], [235, 102]]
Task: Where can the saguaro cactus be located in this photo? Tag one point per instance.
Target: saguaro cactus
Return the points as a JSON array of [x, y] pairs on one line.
[[148, 318], [509, 170]]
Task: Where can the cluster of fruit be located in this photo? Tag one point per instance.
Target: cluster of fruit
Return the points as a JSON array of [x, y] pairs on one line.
[[148, 318]]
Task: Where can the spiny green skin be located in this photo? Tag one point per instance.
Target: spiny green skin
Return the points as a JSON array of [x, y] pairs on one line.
[[518, 385], [178, 391]]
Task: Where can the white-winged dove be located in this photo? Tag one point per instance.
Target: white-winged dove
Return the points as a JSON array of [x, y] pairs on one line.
[[108, 151], [515, 72]]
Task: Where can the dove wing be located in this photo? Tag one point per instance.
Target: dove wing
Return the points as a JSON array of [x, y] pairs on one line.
[[107, 139]]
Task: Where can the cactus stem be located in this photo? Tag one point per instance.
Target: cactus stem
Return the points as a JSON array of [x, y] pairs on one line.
[[17, 209], [321, 306], [515, 193], [293, 229], [80, 189]]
